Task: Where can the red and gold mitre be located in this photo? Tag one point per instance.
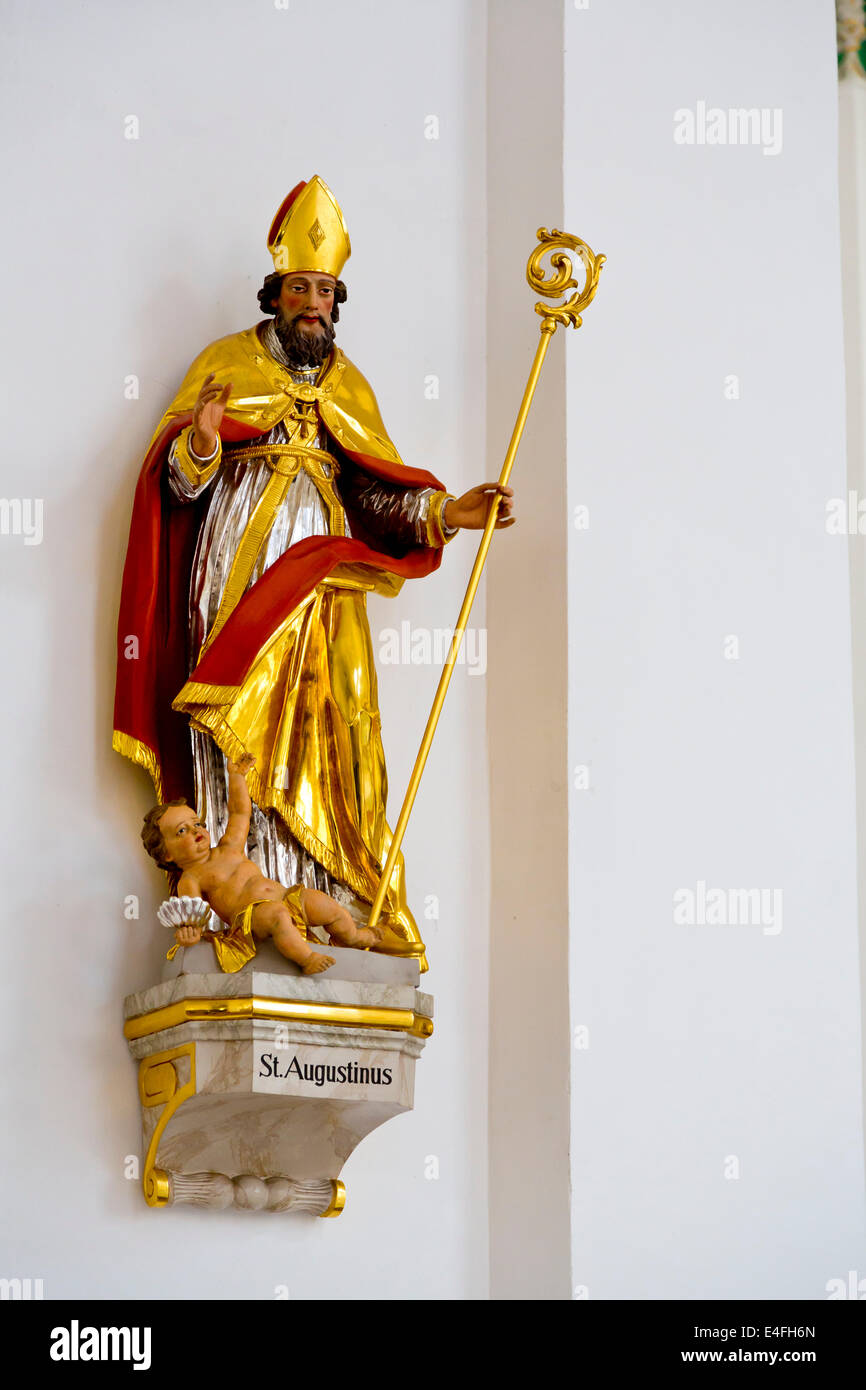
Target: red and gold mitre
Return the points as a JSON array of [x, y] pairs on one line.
[[308, 232]]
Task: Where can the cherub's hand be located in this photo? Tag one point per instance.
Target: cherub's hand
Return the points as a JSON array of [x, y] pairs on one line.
[[187, 936], [243, 765], [470, 511]]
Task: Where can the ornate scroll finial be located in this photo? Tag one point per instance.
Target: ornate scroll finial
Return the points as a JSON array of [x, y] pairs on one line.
[[555, 244]]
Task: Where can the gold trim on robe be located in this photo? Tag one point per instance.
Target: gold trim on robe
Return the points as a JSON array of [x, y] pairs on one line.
[[308, 712], [139, 753], [193, 469]]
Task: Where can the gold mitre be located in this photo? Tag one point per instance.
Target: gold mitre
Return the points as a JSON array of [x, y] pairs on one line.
[[308, 232]]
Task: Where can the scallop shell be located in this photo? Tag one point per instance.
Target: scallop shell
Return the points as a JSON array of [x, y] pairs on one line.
[[184, 912]]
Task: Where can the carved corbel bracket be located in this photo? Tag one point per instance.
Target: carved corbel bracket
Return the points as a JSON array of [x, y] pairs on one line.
[[256, 1087]]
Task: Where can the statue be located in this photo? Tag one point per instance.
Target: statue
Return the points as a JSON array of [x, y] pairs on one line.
[[270, 503], [224, 878]]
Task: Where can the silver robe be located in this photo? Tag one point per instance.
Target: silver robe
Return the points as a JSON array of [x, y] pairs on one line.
[[235, 490]]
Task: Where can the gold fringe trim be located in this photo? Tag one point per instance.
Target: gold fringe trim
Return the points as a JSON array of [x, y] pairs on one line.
[[141, 754], [268, 798], [197, 693], [194, 693]]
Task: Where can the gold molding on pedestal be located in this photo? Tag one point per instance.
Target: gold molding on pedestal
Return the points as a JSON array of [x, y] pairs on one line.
[[338, 1199], [158, 1085], [285, 1010]]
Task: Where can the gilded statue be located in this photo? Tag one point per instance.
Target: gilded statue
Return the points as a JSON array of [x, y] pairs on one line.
[[270, 503]]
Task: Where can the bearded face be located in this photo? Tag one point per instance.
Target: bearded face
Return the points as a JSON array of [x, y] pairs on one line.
[[306, 343]]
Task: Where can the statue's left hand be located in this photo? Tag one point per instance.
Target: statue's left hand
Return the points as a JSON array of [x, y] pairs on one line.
[[243, 765], [471, 510]]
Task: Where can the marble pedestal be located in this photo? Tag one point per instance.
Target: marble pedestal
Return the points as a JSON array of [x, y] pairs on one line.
[[255, 1087]]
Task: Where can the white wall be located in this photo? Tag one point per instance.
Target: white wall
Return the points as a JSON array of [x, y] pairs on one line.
[[707, 518], [128, 257]]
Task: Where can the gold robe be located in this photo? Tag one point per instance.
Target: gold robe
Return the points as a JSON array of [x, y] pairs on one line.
[[306, 706]]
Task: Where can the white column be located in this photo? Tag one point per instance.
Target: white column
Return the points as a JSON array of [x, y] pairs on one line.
[[717, 1131], [529, 1030]]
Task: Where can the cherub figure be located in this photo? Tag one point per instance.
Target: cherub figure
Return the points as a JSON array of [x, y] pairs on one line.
[[237, 890]]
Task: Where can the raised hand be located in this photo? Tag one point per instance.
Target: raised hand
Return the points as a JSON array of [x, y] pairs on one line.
[[207, 415], [470, 511], [244, 764]]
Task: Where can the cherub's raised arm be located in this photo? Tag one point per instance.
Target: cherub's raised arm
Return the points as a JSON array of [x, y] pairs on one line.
[[240, 806]]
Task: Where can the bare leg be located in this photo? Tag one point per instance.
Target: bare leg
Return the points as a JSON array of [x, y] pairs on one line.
[[275, 920], [338, 922]]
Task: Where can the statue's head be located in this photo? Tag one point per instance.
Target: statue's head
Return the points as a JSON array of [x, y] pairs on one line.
[[175, 836], [305, 305], [310, 245]]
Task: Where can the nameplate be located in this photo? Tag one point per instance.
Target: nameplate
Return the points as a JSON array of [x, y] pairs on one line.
[[335, 1073]]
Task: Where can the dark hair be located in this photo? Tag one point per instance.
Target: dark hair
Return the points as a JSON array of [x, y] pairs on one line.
[[151, 835], [270, 293]]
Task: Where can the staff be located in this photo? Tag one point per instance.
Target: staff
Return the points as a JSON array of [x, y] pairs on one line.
[[561, 279]]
